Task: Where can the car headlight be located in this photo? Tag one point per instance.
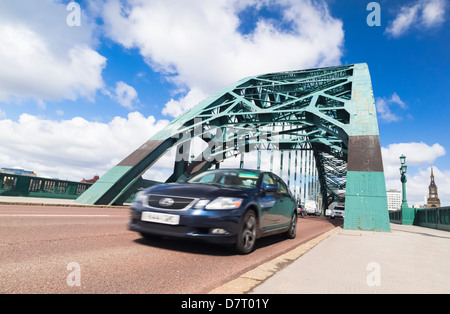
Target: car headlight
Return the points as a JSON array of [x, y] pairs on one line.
[[201, 203], [141, 197], [222, 203]]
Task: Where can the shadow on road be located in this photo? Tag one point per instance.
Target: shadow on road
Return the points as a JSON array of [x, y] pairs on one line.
[[204, 248], [195, 246]]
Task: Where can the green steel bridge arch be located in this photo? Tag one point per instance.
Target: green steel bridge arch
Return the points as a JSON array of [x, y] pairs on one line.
[[328, 112]]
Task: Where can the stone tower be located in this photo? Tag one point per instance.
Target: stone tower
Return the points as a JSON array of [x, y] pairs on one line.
[[433, 199]]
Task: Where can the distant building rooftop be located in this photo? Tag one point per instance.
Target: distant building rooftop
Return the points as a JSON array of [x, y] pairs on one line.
[[19, 172], [93, 180]]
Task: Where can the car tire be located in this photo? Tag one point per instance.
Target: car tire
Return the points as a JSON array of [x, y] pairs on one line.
[[292, 231], [246, 237]]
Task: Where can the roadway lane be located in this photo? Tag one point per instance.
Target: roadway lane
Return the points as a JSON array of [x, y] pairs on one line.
[[37, 243]]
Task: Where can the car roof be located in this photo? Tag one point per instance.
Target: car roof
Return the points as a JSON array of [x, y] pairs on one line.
[[237, 169]]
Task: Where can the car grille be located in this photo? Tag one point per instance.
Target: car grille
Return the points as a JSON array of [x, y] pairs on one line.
[[169, 202]]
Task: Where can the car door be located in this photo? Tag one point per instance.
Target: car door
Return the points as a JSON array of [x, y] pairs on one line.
[[269, 202], [285, 202]]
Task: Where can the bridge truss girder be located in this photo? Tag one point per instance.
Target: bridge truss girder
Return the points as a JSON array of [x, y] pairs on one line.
[[329, 111]]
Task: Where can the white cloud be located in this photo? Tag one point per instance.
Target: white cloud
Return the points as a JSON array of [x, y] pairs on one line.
[[422, 15], [384, 108], [126, 95], [72, 149], [404, 20], [41, 57], [417, 154], [433, 13], [176, 107], [197, 44]]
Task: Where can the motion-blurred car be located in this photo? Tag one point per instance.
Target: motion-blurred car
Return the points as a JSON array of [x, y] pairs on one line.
[[228, 206], [338, 211], [301, 210]]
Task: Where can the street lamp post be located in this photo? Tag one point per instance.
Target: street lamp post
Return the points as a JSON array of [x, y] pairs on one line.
[[403, 179], [408, 214]]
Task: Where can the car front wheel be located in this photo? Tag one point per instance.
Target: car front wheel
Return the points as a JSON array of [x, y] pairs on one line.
[[292, 232], [247, 233]]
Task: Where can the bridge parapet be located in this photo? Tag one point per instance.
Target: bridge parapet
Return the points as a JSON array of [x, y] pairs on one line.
[[28, 186], [436, 218]]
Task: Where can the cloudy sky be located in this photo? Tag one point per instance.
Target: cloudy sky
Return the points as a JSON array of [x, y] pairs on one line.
[[78, 93]]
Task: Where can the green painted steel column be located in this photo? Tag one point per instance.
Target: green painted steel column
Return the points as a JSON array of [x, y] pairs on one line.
[[289, 170], [295, 174], [303, 178], [310, 174], [272, 151], [365, 200], [282, 156], [408, 215]]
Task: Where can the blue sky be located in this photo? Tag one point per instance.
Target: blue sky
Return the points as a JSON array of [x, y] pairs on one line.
[[75, 100]]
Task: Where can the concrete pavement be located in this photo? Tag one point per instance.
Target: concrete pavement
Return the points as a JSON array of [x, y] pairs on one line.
[[409, 259]]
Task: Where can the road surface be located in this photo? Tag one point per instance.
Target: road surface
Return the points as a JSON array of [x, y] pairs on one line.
[[51, 249]]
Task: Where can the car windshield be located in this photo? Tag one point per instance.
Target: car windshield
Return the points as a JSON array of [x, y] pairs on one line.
[[243, 178], [339, 208]]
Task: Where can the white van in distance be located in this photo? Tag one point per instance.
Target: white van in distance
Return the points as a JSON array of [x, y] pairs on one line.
[[312, 208]]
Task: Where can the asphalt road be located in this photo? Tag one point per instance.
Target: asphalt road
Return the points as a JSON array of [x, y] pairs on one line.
[[89, 250]]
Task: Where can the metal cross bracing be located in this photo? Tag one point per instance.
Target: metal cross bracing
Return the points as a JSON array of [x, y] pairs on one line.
[[318, 117]]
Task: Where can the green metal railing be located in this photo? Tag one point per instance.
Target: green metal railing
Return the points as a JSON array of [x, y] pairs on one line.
[[395, 216], [436, 218], [27, 186]]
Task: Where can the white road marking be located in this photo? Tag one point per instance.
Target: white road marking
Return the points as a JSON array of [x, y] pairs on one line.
[[52, 215]]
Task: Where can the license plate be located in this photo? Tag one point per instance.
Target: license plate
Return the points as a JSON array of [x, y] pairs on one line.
[[161, 218]]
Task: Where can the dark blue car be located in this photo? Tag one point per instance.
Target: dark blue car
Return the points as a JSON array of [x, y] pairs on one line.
[[227, 206]]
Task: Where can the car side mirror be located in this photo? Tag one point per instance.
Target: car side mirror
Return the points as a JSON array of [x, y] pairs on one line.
[[182, 181], [271, 188]]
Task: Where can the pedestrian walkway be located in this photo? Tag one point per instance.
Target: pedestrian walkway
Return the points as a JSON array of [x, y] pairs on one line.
[[409, 259], [11, 200], [38, 201]]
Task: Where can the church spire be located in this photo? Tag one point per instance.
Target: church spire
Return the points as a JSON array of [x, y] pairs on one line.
[[433, 199]]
